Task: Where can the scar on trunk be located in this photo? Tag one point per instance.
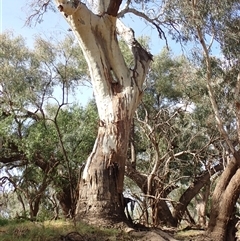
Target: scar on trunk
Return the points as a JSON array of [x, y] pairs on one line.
[[101, 123], [60, 7]]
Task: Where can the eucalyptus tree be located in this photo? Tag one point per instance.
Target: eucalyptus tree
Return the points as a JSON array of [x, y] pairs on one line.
[[36, 128], [118, 87], [173, 139], [117, 90], [210, 24]]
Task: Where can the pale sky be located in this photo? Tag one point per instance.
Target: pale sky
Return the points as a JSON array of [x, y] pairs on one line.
[[14, 15]]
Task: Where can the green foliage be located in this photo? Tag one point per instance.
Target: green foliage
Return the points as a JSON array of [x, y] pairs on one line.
[[65, 60], [3, 222], [15, 62], [80, 128], [128, 57], [127, 54], [44, 138], [203, 14], [175, 121], [167, 76]]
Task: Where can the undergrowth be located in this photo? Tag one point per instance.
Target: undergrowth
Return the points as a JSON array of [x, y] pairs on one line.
[[54, 230]]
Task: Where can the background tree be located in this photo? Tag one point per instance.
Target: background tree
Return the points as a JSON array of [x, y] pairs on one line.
[[173, 142], [36, 132], [208, 25]]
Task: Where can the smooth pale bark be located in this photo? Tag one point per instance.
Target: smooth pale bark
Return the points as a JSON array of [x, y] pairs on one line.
[[117, 90]]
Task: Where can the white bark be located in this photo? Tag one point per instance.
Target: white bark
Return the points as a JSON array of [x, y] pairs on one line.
[[99, 6], [97, 38], [117, 91]]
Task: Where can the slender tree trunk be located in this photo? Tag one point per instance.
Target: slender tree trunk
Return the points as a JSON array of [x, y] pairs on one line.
[[164, 214], [117, 90], [68, 205], [222, 217], [34, 208], [227, 190], [19, 197], [201, 205]]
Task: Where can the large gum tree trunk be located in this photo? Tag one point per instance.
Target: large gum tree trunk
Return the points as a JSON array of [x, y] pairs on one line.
[[118, 90], [101, 186], [222, 221]]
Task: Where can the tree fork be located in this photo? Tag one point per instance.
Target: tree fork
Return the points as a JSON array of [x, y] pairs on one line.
[[117, 90]]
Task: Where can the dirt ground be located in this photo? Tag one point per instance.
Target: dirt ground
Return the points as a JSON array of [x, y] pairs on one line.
[[132, 235]]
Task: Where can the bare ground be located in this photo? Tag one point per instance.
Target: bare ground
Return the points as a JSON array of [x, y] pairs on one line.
[[133, 235]]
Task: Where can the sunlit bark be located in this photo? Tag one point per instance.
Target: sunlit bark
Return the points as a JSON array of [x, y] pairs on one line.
[[117, 90]]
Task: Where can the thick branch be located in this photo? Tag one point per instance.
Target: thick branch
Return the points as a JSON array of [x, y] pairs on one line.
[[193, 189], [71, 7], [141, 56], [10, 153], [15, 155], [10, 159], [139, 178], [24, 115], [113, 7]]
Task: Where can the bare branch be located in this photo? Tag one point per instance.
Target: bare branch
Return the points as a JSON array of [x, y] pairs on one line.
[[38, 8], [151, 21], [160, 198]]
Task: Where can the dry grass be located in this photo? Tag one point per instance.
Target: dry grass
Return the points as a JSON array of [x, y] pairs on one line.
[[56, 230], [190, 235]]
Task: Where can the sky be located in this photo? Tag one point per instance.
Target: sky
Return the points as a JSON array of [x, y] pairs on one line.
[[14, 16]]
